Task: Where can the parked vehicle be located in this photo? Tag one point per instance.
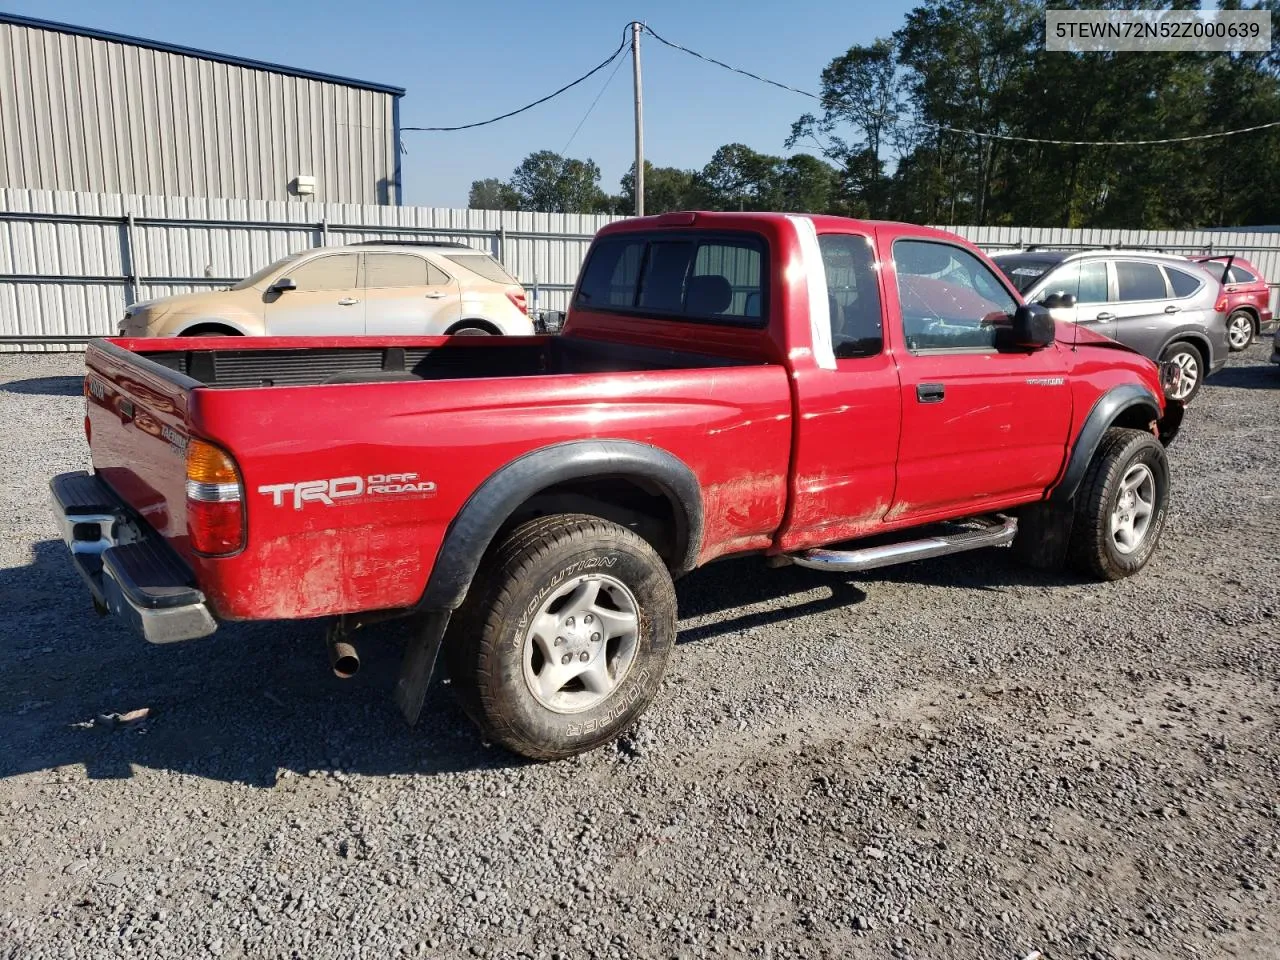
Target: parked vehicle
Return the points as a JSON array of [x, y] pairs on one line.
[[1248, 298], [387, 288], [726, 383], [1163, 306]]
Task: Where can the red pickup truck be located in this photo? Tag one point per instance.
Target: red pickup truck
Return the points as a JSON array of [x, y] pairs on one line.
[[725, 384]]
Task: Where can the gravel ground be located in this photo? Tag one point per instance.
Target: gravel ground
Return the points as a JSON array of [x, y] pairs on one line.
[[957, 758]]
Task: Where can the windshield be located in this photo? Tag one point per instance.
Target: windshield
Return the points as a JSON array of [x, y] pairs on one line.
[[1023, 274], [256, 278]]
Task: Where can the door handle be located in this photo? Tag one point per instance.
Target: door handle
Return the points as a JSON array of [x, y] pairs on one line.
[[1171, 309], [1104, 316], [348, 302], [435, 296], [930, 392]]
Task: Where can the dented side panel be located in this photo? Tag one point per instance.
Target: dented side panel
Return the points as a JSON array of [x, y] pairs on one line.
[[350, 489]]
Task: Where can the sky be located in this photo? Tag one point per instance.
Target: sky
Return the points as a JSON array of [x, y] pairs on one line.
[[468, 61]]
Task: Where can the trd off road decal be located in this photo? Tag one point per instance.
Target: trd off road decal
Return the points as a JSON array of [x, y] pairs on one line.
[[331, 492]]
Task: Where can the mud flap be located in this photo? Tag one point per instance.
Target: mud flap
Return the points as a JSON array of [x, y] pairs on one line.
[[1044, 533], [418, 664]]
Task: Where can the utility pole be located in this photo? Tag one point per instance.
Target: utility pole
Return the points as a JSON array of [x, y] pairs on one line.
[[635, 64]]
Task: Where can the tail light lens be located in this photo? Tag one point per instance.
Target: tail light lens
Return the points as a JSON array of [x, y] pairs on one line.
[[215, 500], [518, 299], [1221, 305]]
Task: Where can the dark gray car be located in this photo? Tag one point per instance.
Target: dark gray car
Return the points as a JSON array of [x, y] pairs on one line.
[[1165, 307]]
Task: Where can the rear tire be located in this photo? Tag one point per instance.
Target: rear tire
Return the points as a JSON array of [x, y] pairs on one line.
[[210, 330], [1240, 331], [471, 330], [1120, 506], [564, 638], [1194, 369]]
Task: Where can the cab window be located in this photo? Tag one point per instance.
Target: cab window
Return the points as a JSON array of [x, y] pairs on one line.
[[677, 275], [950, 299]]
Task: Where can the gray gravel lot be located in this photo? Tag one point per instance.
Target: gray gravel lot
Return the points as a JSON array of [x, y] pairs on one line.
[[959, 758]]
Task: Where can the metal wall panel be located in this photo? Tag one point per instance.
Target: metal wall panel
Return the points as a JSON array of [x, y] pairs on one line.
[[96, 115], [70, 262]]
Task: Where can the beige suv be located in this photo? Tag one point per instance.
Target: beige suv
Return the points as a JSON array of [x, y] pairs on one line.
[[387, 288]]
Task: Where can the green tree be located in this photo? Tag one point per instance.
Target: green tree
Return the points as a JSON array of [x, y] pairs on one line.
[[547, 182], [861, 108], [665, 189], [492, 194], [739, 178], [805, 184]]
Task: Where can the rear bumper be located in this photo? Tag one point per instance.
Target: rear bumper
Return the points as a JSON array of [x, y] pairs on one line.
[[129, 570], [1267, 324]]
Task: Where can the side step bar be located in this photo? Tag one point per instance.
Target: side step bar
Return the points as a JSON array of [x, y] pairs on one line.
[[868, 558]]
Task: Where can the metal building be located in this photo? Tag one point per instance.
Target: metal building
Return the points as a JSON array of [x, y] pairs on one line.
[[87, 110]]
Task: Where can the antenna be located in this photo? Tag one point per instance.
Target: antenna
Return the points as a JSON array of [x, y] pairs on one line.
[[1075, 333]]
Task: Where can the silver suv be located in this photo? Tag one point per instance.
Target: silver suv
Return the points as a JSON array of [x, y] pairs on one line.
[[1166, 307]]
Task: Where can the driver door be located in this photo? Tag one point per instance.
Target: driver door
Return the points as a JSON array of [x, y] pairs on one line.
[[982, 428], [326, 300]]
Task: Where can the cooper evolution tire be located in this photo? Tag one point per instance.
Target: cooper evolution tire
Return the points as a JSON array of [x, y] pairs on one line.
[[565, 636], [1121, 505]]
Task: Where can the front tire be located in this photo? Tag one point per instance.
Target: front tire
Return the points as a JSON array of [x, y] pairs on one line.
[[565, 636], [1120, 506], [1239, 330]]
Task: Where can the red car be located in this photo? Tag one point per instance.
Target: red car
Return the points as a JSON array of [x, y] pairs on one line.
[[1248, 298], [726, 384]]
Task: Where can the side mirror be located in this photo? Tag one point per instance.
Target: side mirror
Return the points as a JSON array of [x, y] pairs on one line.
[[283, 284], [1033, 327], [1055, 300]]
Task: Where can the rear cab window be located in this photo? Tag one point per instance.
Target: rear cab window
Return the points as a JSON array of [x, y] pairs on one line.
[[678, 275]]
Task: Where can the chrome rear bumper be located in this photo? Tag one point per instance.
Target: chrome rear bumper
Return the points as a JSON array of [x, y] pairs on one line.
[[129, 570]]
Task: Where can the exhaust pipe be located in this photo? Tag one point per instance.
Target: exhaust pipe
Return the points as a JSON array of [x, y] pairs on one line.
[[342, 655]]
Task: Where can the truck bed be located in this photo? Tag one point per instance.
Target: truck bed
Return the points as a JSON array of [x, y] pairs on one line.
[[261, 363], [448, 411]]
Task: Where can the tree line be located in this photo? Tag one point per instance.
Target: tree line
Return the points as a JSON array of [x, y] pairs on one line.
[[895, 135]]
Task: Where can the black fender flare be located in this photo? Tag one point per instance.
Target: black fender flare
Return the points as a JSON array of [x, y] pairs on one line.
[[1102, 417], [489, 507]]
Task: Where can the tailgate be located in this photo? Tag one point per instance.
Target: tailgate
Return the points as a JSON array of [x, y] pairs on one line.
[[136, 420]]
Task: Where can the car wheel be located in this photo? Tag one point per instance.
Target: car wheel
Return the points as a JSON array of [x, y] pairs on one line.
[[1239, 330], [471, 330], [566, 638], [1120, 506], [1189, 360]]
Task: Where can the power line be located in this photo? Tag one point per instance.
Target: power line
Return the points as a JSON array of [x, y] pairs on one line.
[[617, 66], [1107, 143], [940, 128], [974, 133], [720, 63], [529, 106]]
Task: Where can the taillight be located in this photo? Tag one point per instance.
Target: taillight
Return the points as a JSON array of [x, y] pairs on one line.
[[1221, 305], [518, 299], [215, 500]]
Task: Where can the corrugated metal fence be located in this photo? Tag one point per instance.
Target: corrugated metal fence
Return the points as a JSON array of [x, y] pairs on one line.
[[70, 262]]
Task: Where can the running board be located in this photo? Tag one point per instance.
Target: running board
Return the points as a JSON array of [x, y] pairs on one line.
[[868, 558]]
